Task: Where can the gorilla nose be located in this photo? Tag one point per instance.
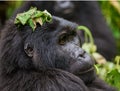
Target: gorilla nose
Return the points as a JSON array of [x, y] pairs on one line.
[[81, 54], [86, 58]]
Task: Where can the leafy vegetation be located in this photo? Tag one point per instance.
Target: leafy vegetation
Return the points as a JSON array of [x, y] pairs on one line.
[[12, 5], [109, 71], [32, 17]]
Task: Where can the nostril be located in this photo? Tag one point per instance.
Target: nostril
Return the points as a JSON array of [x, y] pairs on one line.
[[82, 54]]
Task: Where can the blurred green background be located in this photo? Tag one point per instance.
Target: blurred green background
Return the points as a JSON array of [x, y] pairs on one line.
[[111, 12], [110, 71]]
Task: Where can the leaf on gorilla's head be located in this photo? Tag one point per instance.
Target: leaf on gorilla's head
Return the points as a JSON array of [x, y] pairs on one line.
[[32, 17]]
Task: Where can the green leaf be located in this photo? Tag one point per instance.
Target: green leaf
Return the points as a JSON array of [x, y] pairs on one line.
[[113, 77], [90, 48], [30, 21], [32, 17]]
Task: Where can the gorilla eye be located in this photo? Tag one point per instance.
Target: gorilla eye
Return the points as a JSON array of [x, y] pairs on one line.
[[63, 39], [66, 37]]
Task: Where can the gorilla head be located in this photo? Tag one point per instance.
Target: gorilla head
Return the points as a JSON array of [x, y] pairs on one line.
[[48, 59], [53, 45]]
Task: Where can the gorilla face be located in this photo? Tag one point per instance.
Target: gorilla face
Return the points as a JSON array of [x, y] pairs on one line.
[[54, 45], [78, 61], [57, 45]]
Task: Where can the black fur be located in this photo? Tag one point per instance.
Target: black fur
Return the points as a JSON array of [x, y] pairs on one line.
[[49, 68]]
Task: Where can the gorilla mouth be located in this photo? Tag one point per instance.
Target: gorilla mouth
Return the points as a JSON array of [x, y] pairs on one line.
[[86, 71], [87, 75]]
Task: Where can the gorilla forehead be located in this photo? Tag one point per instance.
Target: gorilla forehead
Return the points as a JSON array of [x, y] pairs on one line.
[[56, 25], [52, 29]]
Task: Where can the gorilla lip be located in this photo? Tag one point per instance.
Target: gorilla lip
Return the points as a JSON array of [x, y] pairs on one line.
[[86, 71]]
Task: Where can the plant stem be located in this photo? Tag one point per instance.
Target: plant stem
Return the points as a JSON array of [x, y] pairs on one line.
[[87, 31]]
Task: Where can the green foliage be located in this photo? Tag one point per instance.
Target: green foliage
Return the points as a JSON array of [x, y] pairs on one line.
[[112, 16], [113, 77], [89, 46], [110, 72], [12, 5], [33, 16]]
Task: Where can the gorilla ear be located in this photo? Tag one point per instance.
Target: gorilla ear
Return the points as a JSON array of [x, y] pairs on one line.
[[28, 50]]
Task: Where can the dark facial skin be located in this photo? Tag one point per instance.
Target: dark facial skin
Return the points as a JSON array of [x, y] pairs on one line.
[[65, 44], [80, 63]]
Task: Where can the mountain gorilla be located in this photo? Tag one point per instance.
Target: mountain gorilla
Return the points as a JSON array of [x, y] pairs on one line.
[[83, 13], [48, 59]]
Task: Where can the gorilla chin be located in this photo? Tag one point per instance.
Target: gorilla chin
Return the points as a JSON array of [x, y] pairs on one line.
[[84, 68], [85, 72], [84, 75]]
